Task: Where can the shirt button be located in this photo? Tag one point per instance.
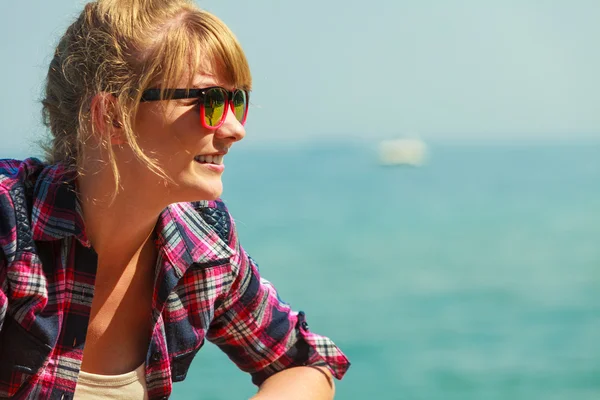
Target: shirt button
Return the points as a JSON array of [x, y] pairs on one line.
[[156, 356]]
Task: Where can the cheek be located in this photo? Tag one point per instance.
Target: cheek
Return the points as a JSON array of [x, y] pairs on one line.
[[150, 126], [175, 134], [158, 130], [187, 130]]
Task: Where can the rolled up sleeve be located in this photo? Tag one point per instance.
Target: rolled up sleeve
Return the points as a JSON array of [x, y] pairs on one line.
[[260, 333]]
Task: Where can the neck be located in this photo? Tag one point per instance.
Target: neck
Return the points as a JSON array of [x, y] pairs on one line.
[[120, 228]]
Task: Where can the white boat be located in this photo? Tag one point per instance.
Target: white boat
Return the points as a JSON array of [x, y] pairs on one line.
[[411, 152]]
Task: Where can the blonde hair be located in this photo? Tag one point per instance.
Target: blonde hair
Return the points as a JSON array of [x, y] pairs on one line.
[[123, 47]]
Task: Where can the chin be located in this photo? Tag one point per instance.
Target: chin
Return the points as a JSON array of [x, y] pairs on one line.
[[209, 191], [191, 194], [213, 195], [194, 188]]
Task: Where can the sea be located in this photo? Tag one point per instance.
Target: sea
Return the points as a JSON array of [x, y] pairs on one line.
[[475, 276]]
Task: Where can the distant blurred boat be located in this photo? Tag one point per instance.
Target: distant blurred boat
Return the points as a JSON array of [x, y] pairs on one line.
[[411, 152]]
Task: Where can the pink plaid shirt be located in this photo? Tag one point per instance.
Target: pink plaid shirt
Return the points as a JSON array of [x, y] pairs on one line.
[[206, 286]]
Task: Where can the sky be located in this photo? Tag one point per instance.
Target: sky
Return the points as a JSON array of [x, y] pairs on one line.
[[446, 70]]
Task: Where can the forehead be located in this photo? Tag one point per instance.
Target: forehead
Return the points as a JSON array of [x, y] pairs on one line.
[[205, 73]]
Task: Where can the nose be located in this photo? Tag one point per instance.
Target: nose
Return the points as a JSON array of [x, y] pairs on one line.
[[231, 129]]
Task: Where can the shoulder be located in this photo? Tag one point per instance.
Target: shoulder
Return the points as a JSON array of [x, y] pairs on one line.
[[217, 216], [15, 173], [17, 180]]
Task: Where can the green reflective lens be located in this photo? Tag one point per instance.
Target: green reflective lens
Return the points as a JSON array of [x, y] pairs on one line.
[[214, 106], [240, 103]]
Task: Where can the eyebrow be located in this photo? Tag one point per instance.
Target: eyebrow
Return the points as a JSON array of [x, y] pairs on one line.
[[206, 80], [211, 80], [204, 85]]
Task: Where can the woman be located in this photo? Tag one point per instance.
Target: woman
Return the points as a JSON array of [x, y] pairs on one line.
[[117, 259]]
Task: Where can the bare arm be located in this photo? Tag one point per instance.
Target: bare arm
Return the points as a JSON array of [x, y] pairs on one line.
[[302, 383]]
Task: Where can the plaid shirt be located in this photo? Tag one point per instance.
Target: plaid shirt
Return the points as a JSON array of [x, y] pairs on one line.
[[206, 286]]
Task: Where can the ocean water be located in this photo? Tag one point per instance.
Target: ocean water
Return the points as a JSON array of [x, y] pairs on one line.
[[476, 276]]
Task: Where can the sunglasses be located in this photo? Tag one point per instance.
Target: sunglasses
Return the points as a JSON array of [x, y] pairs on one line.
[[213, 101]]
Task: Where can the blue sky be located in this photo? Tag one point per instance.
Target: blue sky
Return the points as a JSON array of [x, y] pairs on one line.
[[449, 70]]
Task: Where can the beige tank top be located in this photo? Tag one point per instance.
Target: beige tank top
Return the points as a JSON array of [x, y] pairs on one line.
[[128, 386]]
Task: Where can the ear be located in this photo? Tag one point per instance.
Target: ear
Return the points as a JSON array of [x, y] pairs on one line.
[[106, 118]]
